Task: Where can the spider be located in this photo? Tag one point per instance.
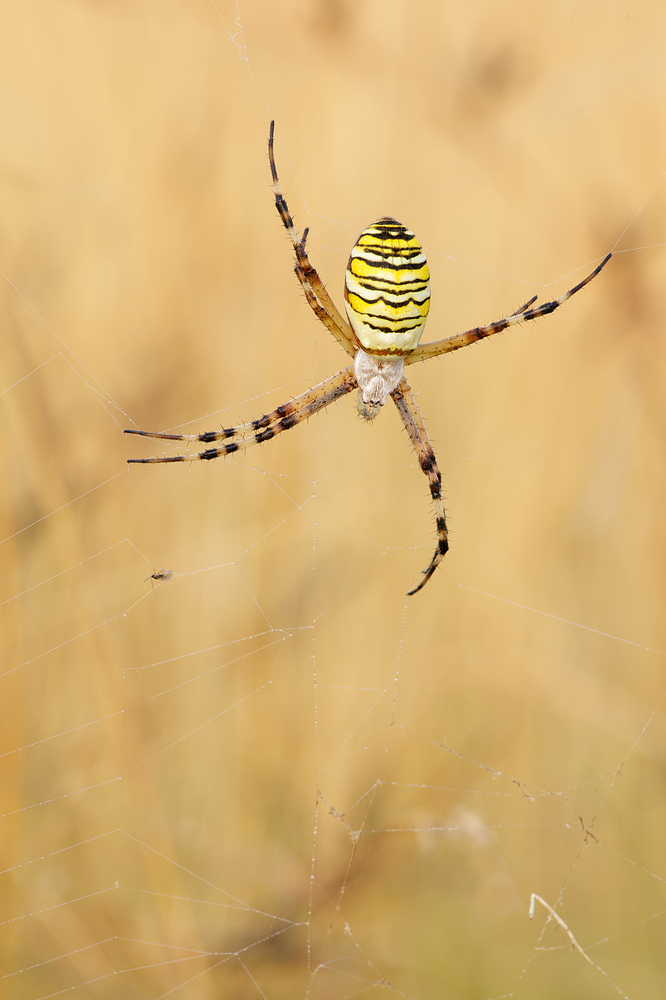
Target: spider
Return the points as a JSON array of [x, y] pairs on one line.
[[159, 574], [387, 298]]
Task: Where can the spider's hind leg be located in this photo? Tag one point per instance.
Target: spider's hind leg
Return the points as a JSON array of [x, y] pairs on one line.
[[315, 292]]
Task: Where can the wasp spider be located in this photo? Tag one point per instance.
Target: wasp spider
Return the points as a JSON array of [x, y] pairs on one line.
[[387, 298]]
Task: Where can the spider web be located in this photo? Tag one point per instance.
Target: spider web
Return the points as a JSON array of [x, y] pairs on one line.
[[270, 773]]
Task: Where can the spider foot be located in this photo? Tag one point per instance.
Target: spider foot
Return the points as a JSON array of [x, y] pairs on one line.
[[440, 552]]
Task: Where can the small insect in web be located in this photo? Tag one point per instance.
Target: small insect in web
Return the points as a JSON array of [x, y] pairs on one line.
[[159, 575], [387, 300]]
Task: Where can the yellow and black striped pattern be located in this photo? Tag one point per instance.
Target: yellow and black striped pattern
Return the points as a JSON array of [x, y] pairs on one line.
[[387, 289]]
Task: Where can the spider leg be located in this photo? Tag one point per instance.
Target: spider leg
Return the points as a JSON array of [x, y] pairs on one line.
[[315, 292], [239, 431], [321, 313], [281, 419], [426, 351], [526, 306], [413, 421]]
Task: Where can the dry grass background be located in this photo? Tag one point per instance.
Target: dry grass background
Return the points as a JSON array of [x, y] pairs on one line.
[[162, 749]]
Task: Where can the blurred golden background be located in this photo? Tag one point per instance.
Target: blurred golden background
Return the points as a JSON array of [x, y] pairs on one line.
[[275, 775]]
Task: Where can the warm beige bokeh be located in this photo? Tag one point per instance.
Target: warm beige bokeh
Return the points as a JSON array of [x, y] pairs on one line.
[[163, 748]]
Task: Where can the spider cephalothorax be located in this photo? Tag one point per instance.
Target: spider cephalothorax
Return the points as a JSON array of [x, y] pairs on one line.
[[387, 298]]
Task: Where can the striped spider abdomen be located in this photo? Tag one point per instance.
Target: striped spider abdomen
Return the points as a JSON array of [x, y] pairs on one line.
[[387, 289]]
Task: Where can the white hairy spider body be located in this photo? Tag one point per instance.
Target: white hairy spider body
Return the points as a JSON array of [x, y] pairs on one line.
[[376, 378]]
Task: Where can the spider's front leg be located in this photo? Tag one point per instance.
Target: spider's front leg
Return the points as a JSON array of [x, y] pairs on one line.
[[406, 405], [257, 431]]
